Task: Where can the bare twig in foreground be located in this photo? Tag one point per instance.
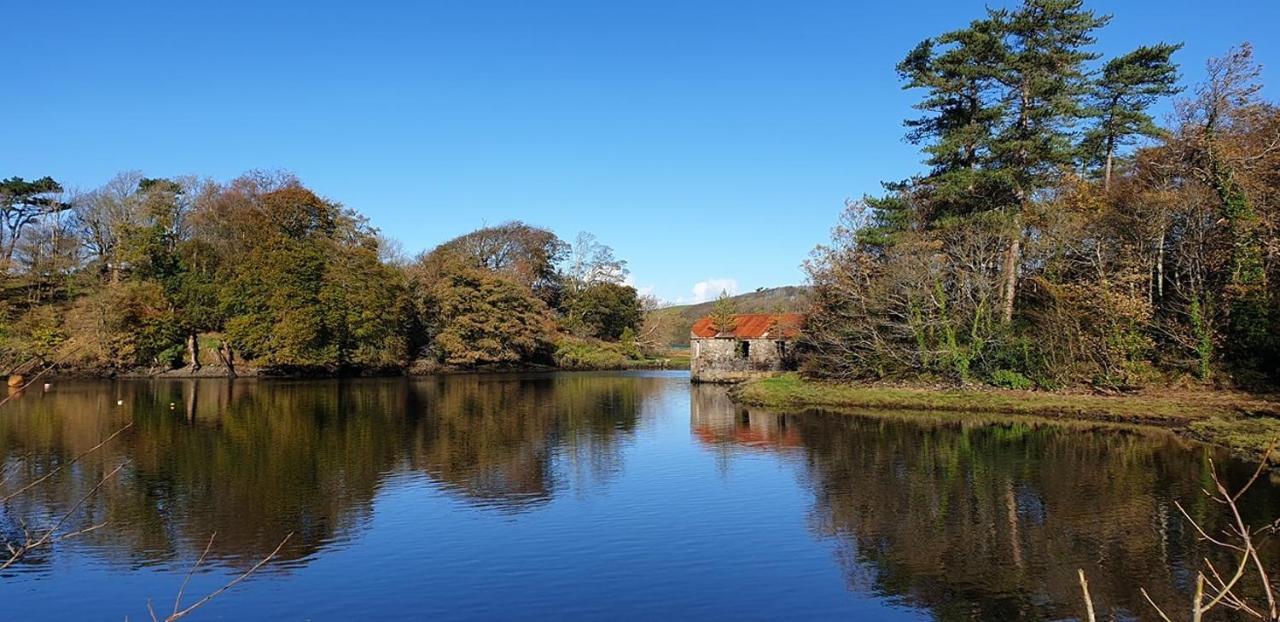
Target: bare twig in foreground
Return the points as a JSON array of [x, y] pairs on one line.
[[1088, 601], [42, 372], [29, 541], [17, 551], [177, 603], [64, 465], [1212, 589]]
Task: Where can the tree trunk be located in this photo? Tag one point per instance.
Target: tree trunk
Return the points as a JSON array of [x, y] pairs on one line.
[[229, 357], [1014, 255], [1160, 267], [1106, 175], [8, 251], [193, 351], [1011, 259], [1151, 286], [226, 356]]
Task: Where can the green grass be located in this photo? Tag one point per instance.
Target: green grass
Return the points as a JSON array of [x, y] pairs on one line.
[[676, 359], [1244, 423]]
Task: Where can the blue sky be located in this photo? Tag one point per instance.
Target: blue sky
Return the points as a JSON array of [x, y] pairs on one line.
[[710, 143]]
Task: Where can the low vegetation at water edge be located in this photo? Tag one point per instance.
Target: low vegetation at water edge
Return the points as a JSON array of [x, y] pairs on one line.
[[1245, 423]]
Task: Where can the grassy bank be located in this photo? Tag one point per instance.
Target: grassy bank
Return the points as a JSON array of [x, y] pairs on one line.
[[1244, 423], [576, 354]]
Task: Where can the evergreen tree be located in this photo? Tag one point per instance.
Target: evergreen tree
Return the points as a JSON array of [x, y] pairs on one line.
[[723, 313], [957, 71], [1043, 79], [1127, 86], [21, 203], [1004, 97]]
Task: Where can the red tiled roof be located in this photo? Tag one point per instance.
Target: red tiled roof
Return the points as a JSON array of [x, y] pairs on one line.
[[754, 326]]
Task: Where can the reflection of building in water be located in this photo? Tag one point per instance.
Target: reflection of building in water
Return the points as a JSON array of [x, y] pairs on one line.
[[716, 420]]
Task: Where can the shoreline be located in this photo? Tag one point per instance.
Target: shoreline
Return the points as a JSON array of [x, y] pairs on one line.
[[1244, 423], [212, 372]]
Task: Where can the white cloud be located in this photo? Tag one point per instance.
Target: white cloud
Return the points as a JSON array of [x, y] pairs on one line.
[[641, 290], [711, 288]]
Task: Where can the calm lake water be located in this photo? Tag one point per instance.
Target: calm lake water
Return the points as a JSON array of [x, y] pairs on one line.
[[585, 496]]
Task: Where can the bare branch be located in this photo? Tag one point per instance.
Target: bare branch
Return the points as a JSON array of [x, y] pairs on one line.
[[1243, 544], [177, 601], [1154, 605], [64, 465], [1088, 601], [203, 601], [30, 545]]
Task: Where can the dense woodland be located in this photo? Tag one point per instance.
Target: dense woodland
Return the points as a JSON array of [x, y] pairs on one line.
[[261, 274], [1061, 236]]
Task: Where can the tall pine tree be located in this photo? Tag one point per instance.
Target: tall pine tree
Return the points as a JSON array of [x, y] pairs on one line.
[[1004, 97], [1127, 86], [1043, 78], [961, 117]]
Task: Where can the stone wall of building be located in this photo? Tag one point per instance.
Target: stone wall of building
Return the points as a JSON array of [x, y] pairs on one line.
[[735, 360]]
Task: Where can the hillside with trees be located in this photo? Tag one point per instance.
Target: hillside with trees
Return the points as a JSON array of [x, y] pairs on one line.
[[669, 326], [260, 274], [1061, 236]]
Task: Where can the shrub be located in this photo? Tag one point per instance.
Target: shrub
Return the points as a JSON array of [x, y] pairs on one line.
[[577, 353], [1009, 379]]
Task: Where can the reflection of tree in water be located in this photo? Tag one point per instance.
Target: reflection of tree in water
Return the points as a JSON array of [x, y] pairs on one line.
[[249, 460], [992, 521], [254, 460], [505, 441]]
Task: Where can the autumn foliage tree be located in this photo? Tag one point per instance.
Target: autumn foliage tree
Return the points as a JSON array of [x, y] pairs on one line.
[[483, 319], [309, 289]]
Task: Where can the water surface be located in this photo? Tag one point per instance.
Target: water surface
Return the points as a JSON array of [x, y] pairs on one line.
[[581, 496]]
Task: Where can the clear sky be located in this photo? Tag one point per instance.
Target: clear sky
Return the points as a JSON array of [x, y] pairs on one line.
[[709, 143]]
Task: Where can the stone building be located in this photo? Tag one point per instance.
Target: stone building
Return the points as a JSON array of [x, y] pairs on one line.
[[757, 344]]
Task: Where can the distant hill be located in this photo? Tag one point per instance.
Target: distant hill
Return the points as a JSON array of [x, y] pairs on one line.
[[676, 321]]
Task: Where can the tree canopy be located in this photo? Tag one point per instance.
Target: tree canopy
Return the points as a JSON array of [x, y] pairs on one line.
[[267, 275]]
